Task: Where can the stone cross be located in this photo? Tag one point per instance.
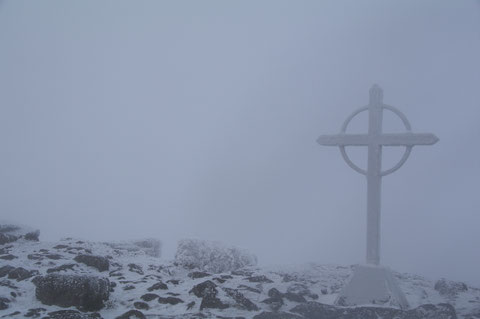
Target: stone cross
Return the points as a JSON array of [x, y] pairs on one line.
[[375, 140]]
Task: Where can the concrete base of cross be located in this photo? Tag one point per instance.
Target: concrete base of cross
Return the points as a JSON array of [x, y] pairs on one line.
[[372, 285]]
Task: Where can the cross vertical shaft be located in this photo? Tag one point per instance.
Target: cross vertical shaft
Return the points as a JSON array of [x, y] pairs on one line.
[[374, 178]]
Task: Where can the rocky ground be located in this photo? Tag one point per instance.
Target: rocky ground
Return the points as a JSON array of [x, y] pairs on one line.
[[77, 279]]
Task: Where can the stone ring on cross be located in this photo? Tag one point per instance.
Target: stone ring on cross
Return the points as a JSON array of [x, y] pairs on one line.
[[375, 138]]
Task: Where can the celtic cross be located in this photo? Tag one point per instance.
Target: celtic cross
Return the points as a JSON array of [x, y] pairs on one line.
[[375, 140]]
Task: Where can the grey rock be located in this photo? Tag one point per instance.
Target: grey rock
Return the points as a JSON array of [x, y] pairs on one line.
[[71, 314], [262, 279], [62, 268], [135, 268], [20, 274], [5, 270], [205, 288], [190, 305], [449, 288], [280, 315], [141, 305], [169, 300], [4, 303], [295, 297], [248, 288], [241, 300], [132, 314], [158, 286], [198, 274], [84, 292], [149, 297], [212, 257], [6, 238], [8, 257], [34, 313], [99, 262]]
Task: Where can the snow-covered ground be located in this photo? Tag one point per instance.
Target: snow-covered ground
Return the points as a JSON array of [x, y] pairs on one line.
[[132, 273]]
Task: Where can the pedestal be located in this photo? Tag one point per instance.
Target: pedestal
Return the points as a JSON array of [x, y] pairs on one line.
[[372, 285]]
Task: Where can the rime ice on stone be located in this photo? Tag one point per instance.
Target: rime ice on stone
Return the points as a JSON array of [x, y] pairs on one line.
[[375, 140], [212, 256]]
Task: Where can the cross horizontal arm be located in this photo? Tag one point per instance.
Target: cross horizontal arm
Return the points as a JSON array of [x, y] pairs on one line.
[[395, 139], [344, 139], [407, 139]]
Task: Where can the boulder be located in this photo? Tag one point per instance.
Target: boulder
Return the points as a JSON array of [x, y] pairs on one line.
[[198, 274], [4, 303], [212, 257], [21, 273], [5, 270], [207, 290], [34, 312], [99, 262], [87, 293], [279, 315], [261, 279], [449, 288], [135, 268], [158, 286], [149, 297], [274, 299], [204, 288], [241, 300], [10, 233], [150, 246], [132, 314], [141, 305], [71, 314], [170, 300]]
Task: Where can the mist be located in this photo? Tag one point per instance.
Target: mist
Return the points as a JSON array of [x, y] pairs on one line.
[[185, 119]]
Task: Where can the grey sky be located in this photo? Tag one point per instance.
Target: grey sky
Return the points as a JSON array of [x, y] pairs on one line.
[[172, 119]]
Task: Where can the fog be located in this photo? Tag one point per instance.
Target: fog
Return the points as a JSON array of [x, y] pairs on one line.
[[189, 119]]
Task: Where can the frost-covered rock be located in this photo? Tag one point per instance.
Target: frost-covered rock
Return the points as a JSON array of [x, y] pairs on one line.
[[149, 246], [99, 262], [84, 292], [71, 314], [450, 288], [210, 256], [10, 233]]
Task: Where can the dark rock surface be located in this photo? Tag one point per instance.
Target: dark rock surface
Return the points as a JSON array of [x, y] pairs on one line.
[[8, 257], [5, 270], [35, 312], [4, 303], [20, 274], [241, 300], [204, 288], [198, 274], [71, 314], [262, 279], [135, 268], [84, 292], [149, 297], [449, 288], [62, 268], [141, 305], [283, 315], [98, 262], [158, 286], [169, 300], [132, 314]]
